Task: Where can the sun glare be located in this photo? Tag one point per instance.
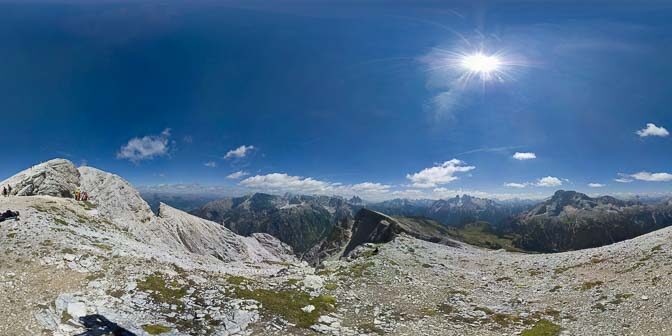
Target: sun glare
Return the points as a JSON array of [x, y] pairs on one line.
[[482, 64]]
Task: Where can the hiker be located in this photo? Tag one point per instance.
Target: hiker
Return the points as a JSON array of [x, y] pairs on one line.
[[78, 194], [4, 191], [9, 190], [85, 196]]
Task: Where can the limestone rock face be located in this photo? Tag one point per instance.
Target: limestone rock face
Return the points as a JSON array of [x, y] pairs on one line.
[[181, 230], [115, 198], [56, 177]]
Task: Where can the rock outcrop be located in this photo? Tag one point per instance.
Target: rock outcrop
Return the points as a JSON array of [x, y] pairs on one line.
[[372, 227], [116, 199], [57, 177], [181, 230]]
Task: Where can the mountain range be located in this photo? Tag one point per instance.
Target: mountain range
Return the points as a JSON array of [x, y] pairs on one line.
[[567, 221], [300, 221], [570, 221], [111, 265]]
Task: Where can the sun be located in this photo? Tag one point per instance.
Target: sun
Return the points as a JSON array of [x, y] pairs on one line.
[[466, 67], [482, 64]]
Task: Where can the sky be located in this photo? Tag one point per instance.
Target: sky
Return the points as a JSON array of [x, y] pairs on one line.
[[379, 99]]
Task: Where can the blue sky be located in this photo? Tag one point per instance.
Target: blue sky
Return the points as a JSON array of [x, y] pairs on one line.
[[345, 98]]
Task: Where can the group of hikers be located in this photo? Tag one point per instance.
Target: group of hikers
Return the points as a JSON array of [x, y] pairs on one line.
[[9, 214], [81, 196], [7, 191]]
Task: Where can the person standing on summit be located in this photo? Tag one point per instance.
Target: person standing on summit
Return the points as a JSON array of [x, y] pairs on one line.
[[9, 190], [4, 191]]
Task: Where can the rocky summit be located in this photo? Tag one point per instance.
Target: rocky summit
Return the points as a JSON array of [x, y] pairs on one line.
[[110, 266]]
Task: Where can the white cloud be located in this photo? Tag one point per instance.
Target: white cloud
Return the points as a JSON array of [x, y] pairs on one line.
[[652, 177], [210, 164], [623, 178], [524, 156], [409, 193], [443, 193], [239, 152], [237, 175], [283, 183], [515, 185], [596, 185], [280, 182], [145, 148], [549, 181], [438, 175], [653, 130], [369, 187]]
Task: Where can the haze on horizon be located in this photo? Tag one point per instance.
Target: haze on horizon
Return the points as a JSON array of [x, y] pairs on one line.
[[502, 99]]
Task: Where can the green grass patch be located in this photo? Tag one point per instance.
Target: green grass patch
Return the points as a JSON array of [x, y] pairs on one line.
[[117, 293], [454, 292], [325, 272], [619, 298], [65, 316], [588, 285], [330, 286], [485, 310], [161, 290], [288, 304], [155, 329], [237, 280], [429, 311], [95, 276], [292, 282], [543, 328], [358, 270], [88, 205], [103, 246], [370, 328], [60, 221], [68, 250], [481, 234], [445, 308], [504, 320], [634, 267]]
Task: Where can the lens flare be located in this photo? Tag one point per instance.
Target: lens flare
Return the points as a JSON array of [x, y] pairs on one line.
[[483, 66], [465, 67], [480, 63]]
